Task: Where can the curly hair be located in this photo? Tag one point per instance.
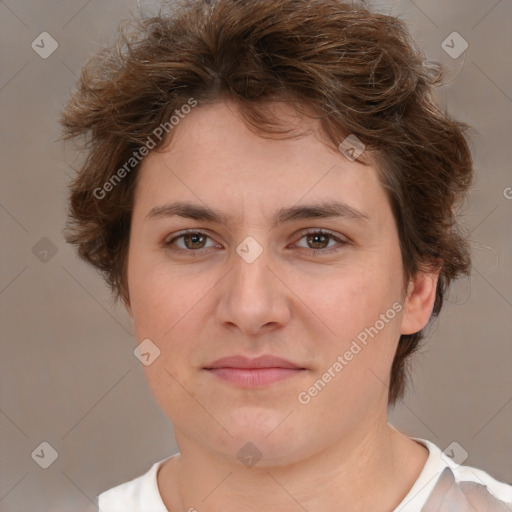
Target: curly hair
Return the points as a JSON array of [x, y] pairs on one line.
[[356, 71]]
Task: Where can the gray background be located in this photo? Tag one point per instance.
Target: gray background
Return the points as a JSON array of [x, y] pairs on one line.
[[68, 374]]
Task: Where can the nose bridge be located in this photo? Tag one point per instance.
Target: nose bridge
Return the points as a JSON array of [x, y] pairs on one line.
[[251, 261], [252, 297]]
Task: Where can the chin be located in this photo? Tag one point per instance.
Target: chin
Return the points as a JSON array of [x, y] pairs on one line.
[[271, 441]]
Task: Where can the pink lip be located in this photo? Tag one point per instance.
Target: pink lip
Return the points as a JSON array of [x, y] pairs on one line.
[[254, 377], [256, 372]]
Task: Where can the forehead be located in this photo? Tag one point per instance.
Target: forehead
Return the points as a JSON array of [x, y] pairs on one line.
[[215, 159]]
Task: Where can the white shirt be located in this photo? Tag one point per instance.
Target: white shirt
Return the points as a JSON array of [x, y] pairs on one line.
[[442, 486]]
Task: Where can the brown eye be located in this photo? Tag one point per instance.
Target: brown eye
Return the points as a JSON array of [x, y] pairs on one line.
[[194, 240], [188, 242], [318, 242]]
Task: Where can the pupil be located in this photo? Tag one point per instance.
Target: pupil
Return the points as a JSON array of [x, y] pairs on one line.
[[316, 237], [194, 238]]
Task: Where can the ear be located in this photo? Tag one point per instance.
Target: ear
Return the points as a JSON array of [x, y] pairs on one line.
[[419, 301]]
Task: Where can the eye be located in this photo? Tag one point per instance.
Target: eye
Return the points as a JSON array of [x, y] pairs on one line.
[[319, 238], [194, 242]]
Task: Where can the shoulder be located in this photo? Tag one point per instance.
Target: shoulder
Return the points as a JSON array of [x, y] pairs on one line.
[[135, 495], [452, 487]]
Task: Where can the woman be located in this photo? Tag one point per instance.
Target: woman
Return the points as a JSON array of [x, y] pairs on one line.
[[269, 189]]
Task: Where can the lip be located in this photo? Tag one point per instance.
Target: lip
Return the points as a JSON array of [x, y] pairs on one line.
[[254, 372], [264, 361]]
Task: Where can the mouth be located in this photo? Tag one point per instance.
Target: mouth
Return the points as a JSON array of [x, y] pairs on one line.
[[255, 377], [252, 373]]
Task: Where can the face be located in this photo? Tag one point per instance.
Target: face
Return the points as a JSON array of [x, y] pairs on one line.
[[323, 292]]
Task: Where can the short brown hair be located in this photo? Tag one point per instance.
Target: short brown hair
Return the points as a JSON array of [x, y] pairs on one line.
[[356, 71]]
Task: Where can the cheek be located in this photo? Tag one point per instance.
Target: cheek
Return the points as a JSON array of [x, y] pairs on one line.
[[361, 308], [163, 311], [165, 303], [352, 298], [162, 294]]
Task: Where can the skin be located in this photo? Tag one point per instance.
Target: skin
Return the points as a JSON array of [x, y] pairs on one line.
[[337, 452]]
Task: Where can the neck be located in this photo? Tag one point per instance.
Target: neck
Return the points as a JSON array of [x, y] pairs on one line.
[[372, 468]]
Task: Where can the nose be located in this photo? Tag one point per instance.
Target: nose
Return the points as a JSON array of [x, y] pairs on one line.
[[254, 296]]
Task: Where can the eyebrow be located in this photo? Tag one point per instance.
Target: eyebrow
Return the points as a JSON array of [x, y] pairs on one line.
[[326, 209]]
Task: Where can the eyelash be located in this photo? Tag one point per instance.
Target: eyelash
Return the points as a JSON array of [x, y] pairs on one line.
[[199, 252]]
